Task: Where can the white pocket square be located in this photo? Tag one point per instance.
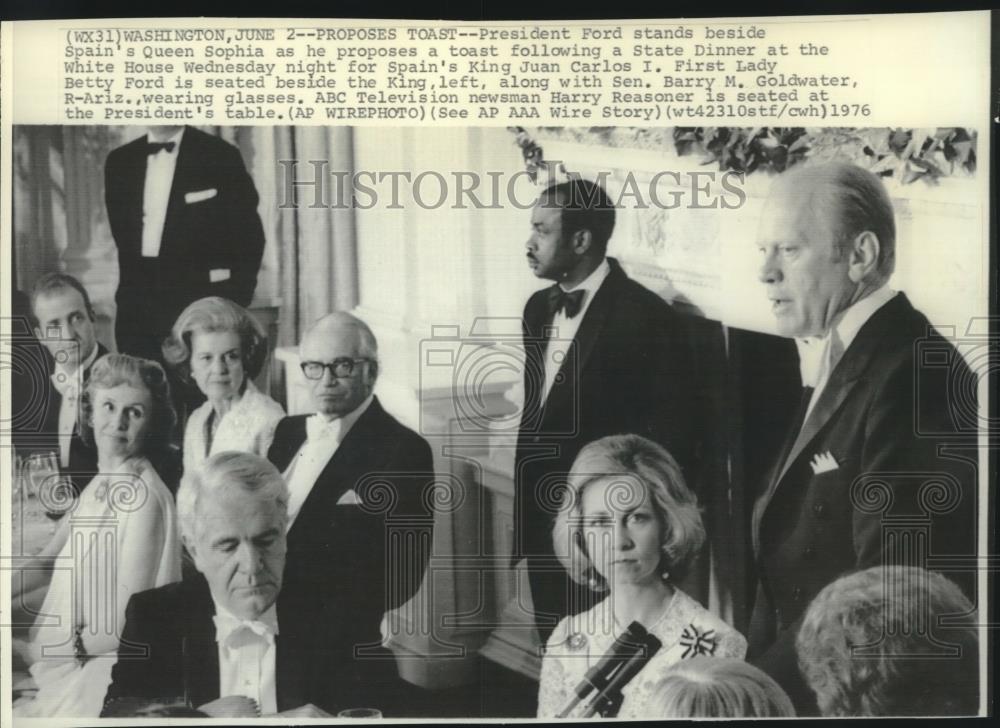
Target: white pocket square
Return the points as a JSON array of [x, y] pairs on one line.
[[217, 275], [824, 462], [350, 498], [192, 197]]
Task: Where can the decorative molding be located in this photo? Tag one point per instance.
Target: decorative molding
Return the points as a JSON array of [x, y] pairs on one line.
[[904, 154]]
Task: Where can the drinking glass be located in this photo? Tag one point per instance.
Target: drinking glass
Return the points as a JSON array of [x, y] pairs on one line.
[[363, 713]]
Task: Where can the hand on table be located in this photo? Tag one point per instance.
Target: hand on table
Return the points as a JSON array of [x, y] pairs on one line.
[[305, 711], [231, 706]]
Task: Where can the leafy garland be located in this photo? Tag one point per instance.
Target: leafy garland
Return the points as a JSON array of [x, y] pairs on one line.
[[904, 154]]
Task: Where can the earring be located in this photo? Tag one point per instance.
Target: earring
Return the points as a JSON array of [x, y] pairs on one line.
[[665, 576]]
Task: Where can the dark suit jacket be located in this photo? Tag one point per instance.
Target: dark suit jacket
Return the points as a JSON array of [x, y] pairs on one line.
[[82, 457], [168, 651], [886, 410], [630, 370], [220, 232], [355, 562]]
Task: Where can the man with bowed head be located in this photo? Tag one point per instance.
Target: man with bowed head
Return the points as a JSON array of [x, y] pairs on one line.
[[867, 445], [220, 641]]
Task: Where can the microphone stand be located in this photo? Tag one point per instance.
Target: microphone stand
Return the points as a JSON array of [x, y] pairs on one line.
[[609, 700], [627, 644]]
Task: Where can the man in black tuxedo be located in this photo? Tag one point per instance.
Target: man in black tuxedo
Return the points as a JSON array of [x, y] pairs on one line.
[[866, 468], [183, 213], [360, 483], [63, 320], [222, 641], [604, 356]]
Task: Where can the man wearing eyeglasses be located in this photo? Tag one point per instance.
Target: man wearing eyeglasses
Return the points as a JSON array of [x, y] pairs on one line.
[[358, 480]]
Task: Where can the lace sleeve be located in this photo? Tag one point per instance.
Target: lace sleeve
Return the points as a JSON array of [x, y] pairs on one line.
[[732, 644], [554, 685], [553, 690], [265, 435]]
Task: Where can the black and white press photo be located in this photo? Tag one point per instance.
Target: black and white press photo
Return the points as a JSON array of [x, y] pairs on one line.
[[497, 422]]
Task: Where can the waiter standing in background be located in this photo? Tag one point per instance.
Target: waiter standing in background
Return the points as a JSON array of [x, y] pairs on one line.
[[604, 356], [183, 214]]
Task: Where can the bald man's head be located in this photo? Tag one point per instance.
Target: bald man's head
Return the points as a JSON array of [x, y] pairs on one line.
[[346, 348]]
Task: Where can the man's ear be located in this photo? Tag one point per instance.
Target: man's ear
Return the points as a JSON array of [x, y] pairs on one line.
[[581, 241], [191, 547], [38, 333], [862, 260], [372, 372]]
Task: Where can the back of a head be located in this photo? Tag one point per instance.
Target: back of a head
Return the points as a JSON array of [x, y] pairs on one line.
[[713, 687], [891, 641], [585, 206]]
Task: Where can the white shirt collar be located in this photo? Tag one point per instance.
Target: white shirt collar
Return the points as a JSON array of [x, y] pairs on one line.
[[223, 616], [591, 283], [72, 382], [346, 422], [820, 354], [84, 365], [175, 138]]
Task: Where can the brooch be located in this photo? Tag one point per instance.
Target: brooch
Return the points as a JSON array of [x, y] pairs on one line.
[[576, 641], [698, 643]]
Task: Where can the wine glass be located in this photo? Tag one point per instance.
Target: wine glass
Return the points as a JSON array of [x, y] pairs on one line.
[[44, 482]]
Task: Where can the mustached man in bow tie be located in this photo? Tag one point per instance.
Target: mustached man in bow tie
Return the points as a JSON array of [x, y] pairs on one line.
[[870, 447], [360, 485], [219, 641], [183, 214], [64, 323], [604, 356]]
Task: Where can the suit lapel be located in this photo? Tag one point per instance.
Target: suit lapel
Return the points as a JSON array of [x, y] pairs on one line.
[[132, 185], [830, 399], [186, 167], [199, 649], [290, 666], [292, 443], [535, 343], [339, 474], [844, 379], [589, 332]]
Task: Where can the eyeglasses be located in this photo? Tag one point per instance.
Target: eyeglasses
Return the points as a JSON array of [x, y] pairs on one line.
[[339, 368]]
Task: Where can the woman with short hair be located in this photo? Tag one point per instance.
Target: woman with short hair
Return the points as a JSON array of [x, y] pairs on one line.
[[119, 538], [709, 687], [630, 527], [220, 345], [891, 641]]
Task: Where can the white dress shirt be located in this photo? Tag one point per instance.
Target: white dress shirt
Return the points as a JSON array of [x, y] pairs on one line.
[[565, 328], [323, 437], [247, 657], [156, 195], [819, 356], [69, 385]]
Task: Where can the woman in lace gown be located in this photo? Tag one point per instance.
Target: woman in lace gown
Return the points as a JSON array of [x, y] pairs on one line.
[[629, 526], [222, 348], [118, 537]]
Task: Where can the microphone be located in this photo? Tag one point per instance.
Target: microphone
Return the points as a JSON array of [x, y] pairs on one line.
[[632, 641], [609, 700]]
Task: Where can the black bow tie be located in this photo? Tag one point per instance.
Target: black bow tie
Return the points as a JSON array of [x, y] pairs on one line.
[[560, 300], [154, 147]]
